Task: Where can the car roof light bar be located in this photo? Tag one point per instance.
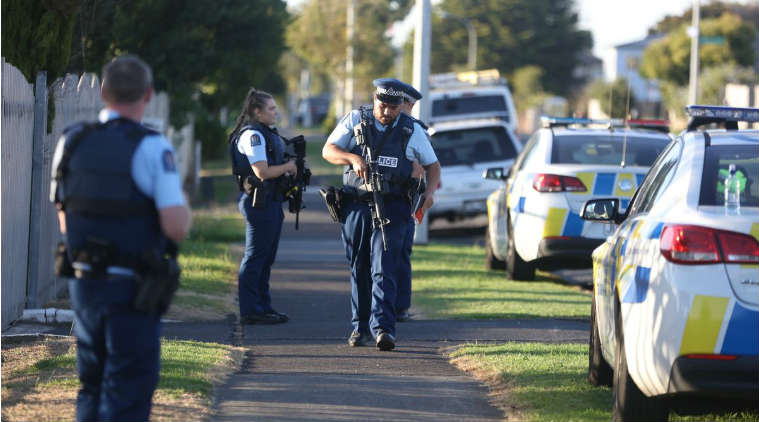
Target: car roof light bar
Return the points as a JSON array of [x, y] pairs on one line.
[[701, 115]]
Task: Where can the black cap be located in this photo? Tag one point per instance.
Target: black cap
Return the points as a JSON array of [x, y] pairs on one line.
[[389, 90]]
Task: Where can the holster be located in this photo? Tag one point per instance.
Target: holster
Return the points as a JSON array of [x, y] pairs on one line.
[[158, 281], [256, 189], [332, 198]]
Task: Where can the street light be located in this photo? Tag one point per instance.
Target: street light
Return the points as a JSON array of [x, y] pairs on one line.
[[472, 51]]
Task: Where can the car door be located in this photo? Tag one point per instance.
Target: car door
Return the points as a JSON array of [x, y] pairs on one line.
[[621, 258]]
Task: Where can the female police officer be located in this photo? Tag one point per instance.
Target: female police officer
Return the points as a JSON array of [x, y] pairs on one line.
[[394, 142], [259, 164]]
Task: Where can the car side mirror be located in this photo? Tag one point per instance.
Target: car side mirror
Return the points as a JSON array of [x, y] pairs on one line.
[[604, 210], [494, 173]]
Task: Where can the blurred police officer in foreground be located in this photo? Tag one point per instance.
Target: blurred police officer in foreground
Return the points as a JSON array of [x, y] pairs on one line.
[[121, 207], [258, 159], [396, 141]]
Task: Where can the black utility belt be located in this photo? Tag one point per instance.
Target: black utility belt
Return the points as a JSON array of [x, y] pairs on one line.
[[83, 270], [369, 197]]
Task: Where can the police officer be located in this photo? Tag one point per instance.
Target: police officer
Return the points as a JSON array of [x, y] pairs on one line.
[[258, 158], [403, 300], [396, 142], [118, 192]]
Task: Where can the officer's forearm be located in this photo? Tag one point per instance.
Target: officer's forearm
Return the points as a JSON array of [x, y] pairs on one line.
[[175, 222], [433, 177], [62, 222], [264, 171], [333, 154]]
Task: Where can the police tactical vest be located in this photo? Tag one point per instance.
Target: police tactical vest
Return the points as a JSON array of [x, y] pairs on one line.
[[275, 155], [101, 200], [391, 159]]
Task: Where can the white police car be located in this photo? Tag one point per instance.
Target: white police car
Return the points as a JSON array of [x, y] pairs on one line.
[[465, 149], [534, 219], [676, 288]]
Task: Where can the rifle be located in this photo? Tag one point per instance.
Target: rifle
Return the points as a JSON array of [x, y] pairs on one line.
[[374, 184], [301, 178]]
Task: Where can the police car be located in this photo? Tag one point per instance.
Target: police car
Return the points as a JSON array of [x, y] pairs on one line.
[[534, 218], [675, 308], [465, 149]]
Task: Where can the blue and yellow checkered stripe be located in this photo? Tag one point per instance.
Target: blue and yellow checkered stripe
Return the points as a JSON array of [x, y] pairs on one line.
[[562, 222], [705, 319]]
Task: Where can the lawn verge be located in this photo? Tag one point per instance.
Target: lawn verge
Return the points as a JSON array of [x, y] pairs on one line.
[[40, 381], [451, 282]]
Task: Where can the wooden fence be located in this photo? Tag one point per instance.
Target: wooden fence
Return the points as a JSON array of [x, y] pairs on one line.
[[29, 223]]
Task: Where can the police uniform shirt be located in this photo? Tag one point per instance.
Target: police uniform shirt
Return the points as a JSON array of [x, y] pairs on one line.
[[418, 148], [253, 145], [153, 170]]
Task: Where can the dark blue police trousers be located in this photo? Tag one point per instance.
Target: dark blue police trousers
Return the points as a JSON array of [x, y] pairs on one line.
[[403, 300], [263, 227], [118, 351], [374, 271]]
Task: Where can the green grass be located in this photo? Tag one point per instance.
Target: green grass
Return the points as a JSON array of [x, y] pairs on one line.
[[451, 282], [207, 266], [547, 382], [186, 366]]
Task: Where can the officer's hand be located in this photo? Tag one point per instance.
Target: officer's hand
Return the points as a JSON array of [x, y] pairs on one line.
[[429, 199], [290, 168], [359, 166]]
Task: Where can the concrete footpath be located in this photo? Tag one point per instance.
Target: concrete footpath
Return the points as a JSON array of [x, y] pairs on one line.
[[305, 371]]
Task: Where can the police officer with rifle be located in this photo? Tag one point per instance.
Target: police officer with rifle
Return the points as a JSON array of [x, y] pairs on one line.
[[266, 177], [122, 213], [377, 145]]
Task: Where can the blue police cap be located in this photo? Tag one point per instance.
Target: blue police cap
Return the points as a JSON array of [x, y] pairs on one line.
[[389, 90], [411, 94]]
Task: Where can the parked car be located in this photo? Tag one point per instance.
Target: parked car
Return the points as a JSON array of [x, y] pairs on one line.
[[471, 95], [312, 110], [534, 218], [675, 311], [465, 149]]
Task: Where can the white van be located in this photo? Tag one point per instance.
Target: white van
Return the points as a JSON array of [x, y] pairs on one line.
[[465, 149], [471, 95]]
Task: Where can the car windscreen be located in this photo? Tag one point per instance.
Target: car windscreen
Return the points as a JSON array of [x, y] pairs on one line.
[[717, 160], [474, 145], [601, 149], [452, 106]]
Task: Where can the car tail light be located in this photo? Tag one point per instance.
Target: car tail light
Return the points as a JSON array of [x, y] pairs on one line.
[[684, 244], [556, 183]]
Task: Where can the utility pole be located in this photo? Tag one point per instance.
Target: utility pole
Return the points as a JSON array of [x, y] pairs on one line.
[[349, 56], [694, 33], [422, 34]]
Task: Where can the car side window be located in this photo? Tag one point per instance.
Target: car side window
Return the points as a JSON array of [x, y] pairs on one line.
[[657, 179], [530, 150], [529, 146]]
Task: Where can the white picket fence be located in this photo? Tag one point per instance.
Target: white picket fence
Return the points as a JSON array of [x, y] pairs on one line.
[[29, 222]]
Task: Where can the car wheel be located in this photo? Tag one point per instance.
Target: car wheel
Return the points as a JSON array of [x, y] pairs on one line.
[[491, 262], [630, 404], [516, 268], [599, 371]]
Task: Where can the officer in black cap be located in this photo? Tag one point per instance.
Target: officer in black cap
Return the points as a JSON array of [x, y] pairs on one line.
[[395, 142], [118, 193], [403, 300]]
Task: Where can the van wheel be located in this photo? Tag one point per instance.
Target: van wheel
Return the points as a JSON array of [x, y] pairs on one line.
[[491, 262], [599, 371], [630, 404], [516, 268]]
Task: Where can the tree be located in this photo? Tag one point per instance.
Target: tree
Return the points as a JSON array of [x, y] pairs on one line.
[[318, 35], [713, 10], [513, 34], [613, 97], [668, 59], [36, 35], [205, 56]]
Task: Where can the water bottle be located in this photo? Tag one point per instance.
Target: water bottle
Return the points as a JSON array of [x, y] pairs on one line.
[[732, 190]]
